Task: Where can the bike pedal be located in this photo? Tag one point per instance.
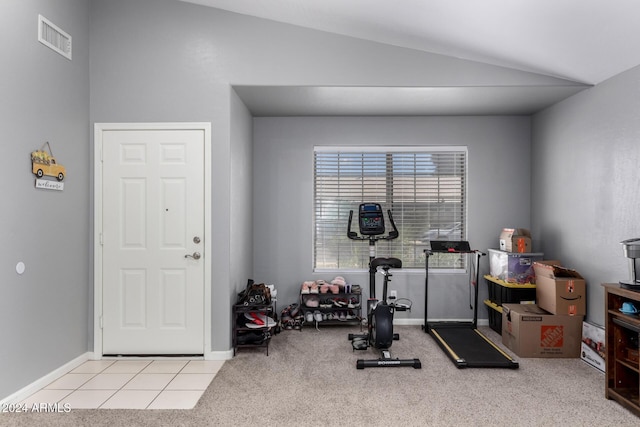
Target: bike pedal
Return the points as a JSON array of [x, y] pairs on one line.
[[359, 344]]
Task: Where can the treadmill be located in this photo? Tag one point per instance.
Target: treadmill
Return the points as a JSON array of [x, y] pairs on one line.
[[465, 345]]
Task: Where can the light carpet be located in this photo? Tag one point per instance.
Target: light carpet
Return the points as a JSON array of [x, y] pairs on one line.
[[310, 378]]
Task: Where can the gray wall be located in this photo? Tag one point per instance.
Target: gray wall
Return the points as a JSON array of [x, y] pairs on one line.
[[45, 97], [241, 202], [585, 180], [161, 70], [165, 60], [499, 195]]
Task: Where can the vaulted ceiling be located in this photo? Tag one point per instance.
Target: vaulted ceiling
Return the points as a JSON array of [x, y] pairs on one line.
[[584, 41]]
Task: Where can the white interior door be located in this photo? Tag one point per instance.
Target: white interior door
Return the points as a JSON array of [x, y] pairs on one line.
[[152, 242]]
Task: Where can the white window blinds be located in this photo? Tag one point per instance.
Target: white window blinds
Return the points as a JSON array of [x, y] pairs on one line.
[[424, 187]]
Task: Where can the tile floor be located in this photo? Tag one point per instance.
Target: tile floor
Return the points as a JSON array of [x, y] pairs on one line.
[[131, 384]]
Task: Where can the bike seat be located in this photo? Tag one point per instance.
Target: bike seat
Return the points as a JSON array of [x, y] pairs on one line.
[[386, 263]]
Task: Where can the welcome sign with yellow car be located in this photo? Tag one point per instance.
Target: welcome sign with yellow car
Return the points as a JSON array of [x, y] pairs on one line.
[[44, 164]]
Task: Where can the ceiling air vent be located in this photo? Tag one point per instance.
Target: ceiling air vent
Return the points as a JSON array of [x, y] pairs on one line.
[[53, 37]]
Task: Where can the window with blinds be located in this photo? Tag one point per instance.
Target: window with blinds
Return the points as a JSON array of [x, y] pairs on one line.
[[424, 187]]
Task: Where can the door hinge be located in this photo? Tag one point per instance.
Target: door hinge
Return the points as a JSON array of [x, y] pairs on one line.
[[101, 322], [101, 239]]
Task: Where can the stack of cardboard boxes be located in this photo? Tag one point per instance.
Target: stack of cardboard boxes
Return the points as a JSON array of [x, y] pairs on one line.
[[553, 326]]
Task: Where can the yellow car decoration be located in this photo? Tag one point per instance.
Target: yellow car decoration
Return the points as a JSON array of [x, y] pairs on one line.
[[43, 163]]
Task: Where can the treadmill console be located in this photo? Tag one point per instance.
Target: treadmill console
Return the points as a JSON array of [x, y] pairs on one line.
[[450, 246], [371, 219]]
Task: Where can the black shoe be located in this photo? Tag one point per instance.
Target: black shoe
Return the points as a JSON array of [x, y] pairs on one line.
[[251, 337], [294, 310]]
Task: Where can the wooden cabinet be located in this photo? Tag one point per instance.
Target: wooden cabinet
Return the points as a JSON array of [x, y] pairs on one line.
[[622, 335]]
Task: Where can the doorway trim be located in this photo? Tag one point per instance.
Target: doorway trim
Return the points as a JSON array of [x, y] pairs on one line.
[[99, 128]]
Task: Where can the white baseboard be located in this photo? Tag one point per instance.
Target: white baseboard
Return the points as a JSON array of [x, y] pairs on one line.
[[219, 355], [408, 322], [38, 384], [416, 322]]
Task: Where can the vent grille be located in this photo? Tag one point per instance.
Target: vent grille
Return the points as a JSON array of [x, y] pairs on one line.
[[53, 37]]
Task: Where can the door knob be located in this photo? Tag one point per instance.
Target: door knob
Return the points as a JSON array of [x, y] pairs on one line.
[[196, 255]]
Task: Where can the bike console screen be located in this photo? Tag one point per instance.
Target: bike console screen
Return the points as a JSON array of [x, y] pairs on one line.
[[371, 219]]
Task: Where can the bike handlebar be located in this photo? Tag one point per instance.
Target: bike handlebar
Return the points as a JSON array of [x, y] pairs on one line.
[[393, 234]]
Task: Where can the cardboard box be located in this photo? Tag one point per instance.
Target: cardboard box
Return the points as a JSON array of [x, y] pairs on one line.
[[560, 290], [592, 347], [513, 267], [515, 240], [530, 331]]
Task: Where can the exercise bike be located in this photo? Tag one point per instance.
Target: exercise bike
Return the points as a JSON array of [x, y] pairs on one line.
[[379, 312]]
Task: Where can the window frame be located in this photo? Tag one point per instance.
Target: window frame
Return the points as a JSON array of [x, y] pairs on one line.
[[392, 150]]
